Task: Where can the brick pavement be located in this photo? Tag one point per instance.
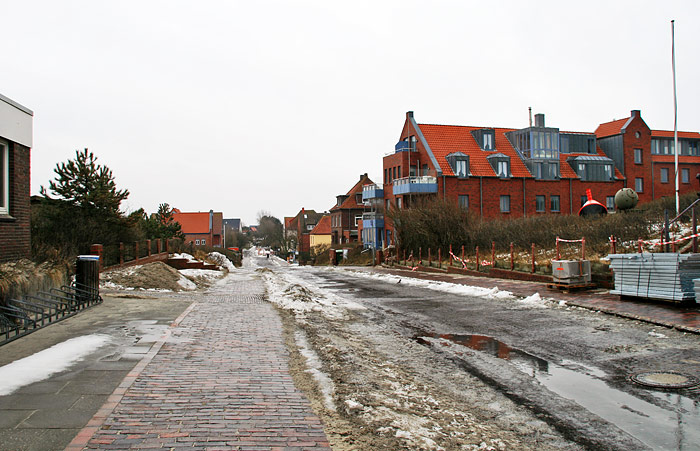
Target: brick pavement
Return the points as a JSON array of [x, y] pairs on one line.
[[219, 381], [678, 316]]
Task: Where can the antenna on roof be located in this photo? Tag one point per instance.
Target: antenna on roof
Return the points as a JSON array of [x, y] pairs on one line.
[[529, 111]]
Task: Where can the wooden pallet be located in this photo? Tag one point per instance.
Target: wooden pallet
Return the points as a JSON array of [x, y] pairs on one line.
[[567, 287]]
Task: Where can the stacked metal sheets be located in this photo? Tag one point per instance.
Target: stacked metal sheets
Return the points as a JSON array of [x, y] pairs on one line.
[[657, 276]]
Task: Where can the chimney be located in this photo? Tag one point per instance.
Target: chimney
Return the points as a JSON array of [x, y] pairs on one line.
[[409, 114], [211, 220], [363, 176], [539, 120], [636, 113]]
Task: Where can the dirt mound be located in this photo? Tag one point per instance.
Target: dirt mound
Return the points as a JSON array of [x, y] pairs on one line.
[[151, 276]]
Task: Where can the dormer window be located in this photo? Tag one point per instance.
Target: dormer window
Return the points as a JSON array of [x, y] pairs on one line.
[[459, 163], [500, 164], [486, 137]]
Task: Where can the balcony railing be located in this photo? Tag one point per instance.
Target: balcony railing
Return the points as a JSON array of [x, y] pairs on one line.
[[416, 185], [404, 146], [372, 192], [372, 220]]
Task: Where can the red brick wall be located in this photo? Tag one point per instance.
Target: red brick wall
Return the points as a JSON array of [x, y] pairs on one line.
[[631, 142], [14, 229]]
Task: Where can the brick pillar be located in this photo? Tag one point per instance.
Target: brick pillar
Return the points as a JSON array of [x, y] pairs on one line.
[[136, 250], [98, 249]]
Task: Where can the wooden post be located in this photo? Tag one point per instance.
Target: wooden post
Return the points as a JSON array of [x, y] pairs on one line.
[[493, 254], [450, 256], [440, 257], [167, 245], [404, 257], [533, 258], [512, 257], [420, 255], [583, 248], [136, 250], [121, 253], [430, 257], [158, 246], [477, 258], [695, 231], [148, 243], [463, 256]]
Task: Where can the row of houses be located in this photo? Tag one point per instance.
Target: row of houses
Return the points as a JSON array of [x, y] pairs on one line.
[[501, 173]]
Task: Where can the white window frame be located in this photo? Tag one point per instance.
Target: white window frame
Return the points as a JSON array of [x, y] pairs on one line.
[[358, 218], [639, 184], [502, 168], [685, 175], [505, 203], [196, 242], [638, 158], [461, 168], [488, 141], [5, 178], [204, 242]]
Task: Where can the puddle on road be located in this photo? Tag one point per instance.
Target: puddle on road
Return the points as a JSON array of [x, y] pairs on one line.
[[674, 428]]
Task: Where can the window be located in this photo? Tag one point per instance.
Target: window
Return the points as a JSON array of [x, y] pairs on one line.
[[459, 162], [664, 175], [399, 171], [394, 172], [386, 180], [398, 202], [502, 169], [413, 170], [461, 168], [685, 175], [610, 202], [505, 204], [196, 242], [500, 164], [639, 185], [4, 179], [425, 169], [358, 218], [204, 242], [464, 201], [388, 204], [637, 156], [488, 141], [554, 203], [358, 198], [584, 199], [539, 203]]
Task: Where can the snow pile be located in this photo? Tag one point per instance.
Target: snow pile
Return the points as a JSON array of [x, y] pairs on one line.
[[184, 255], [202, 277], [221, 260], [301, 296], [156, 276], [313, 362], [535, 301], [656, 334], [446, 287], [50, 361]]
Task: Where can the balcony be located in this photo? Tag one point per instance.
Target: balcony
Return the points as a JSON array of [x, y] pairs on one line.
[[404, 146], [372, 192], [372, 220], [415, 185]]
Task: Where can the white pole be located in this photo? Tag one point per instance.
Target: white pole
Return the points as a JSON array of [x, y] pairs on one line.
[[675, 115]]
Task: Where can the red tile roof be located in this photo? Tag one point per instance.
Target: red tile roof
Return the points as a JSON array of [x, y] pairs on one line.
[[323, 227], [446, 139], [611, 128], [567, 172], [193, 222], [350, 202], [671, 159], [669, 134]]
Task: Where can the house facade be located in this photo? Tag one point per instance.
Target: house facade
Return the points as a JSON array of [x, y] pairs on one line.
[[16, 133], [506, 172], [320, 236], [201, 228], [301, 226], [347, 213]]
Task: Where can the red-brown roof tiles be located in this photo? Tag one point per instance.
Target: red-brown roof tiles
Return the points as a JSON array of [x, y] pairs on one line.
[[669, 134], [193, 222], [610, 128], [323, 227]]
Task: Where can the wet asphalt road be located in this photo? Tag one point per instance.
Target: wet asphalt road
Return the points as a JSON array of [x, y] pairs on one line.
[[569, 366]]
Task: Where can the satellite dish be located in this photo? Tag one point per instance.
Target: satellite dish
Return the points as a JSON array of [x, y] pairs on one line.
[[626, 198], [592, 207]]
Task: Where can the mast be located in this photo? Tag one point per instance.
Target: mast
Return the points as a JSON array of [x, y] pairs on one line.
[[675, 115]]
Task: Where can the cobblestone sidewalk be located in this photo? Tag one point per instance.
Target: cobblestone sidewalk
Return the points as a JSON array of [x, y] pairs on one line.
[[220, 381]]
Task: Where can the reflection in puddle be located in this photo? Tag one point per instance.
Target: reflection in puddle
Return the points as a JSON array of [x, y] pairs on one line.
[[676, 426]]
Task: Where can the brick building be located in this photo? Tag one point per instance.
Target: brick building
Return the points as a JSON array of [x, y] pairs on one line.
[[320, 236], [507, 173], [300, 226], [201, 228], [16, 122], [346, 214]]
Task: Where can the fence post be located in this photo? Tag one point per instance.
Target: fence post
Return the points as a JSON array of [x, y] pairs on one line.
[[613, 244], [98, 249], [493, 254], [420, 255], [477, 258], [440, 257], [136, 250], [167, 245], [533, 258], [639, 245], [583, 248], [148, 243], [121, 253], [558, 253], [158, 246], [450, 255], [463, 265], [430, 257], [404, 257], [512, 260]]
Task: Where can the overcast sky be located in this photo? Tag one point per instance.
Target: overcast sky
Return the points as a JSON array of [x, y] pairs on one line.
[[243, 106]]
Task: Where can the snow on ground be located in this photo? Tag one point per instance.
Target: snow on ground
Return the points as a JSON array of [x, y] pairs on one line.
[[50, 361], [313, 362], [221, 260], [210, 274], [185, 256]]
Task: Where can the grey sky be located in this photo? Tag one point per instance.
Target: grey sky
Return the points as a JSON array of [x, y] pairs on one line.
[[271, 105]]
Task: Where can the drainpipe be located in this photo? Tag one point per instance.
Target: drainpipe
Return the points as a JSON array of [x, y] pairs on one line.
[[443, 187], [481, 196], [571, 195], [524, 201]]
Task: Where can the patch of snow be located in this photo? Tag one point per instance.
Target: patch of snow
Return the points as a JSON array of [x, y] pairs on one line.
[[50, 361], [313, 362], [353, 405], [534, 300], [656, 334], [186, 283], [210, 274], [221, 260], [185, 256]]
